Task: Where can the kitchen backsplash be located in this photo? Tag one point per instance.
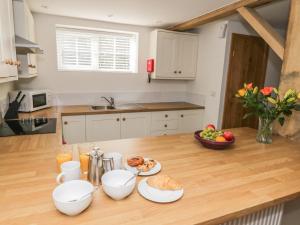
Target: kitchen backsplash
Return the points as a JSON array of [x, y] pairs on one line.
[[120, 97]]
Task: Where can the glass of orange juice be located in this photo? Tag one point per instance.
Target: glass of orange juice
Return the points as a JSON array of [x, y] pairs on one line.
[[62, 157], [84, 158]]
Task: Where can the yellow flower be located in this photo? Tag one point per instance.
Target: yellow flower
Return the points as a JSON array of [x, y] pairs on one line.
[[298, 96], [275, 90], [271, 100], [291, 99], [242, 92], [255, 90], [289, 92]]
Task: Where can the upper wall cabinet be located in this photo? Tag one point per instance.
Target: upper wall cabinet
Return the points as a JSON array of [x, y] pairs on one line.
[[175, 54], [25, 28], [8, 61]]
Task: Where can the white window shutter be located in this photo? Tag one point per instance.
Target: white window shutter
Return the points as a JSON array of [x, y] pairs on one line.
[[80, 49]]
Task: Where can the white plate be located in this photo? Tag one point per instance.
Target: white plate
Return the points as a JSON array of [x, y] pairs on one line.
[[153, 171], [157, 195]]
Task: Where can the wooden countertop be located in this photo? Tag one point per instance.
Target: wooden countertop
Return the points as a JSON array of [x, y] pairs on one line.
[[218, 185], [128, 108]]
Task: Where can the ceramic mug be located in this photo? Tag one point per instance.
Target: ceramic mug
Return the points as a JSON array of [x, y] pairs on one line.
[[69, 171], [117, 159]]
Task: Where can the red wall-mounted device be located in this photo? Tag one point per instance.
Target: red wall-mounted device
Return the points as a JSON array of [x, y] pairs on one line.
[[150, 68], [150, 65]]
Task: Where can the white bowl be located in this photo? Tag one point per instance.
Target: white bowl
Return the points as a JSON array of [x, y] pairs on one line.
[[70, 190], [112, 183]]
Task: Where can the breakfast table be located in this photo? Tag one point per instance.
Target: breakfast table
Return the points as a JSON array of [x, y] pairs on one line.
[[218, 185]]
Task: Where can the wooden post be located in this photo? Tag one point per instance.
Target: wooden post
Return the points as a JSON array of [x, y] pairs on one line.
[[290, 77]]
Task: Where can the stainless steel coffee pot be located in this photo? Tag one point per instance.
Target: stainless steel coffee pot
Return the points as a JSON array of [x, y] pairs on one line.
[[98, 165]]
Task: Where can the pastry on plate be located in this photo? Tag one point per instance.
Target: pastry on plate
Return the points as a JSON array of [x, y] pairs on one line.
[[164, 182], [147, 165], [135, 161]]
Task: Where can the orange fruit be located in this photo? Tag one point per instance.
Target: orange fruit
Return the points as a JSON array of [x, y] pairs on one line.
[[220, 139]]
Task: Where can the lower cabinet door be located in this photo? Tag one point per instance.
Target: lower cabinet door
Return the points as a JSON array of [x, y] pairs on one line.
[[103, 127], [134, 125], [73, 129], [190, 120]]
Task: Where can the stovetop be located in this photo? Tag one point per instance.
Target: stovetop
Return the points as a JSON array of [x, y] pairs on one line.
[[28, 126]]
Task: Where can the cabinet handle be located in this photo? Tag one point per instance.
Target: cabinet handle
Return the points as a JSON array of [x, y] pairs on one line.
[[166, 115], [65, 123], [179, 71], [166, 125], [11, 62], [175, 71], [118, 119], [181, 116], [124, 119]]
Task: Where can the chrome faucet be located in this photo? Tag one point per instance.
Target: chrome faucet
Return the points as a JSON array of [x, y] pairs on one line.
[[110, 100]]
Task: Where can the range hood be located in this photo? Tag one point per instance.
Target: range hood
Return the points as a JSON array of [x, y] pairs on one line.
[[24, 46]]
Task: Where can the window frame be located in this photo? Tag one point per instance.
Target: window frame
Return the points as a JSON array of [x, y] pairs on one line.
[[93, 29]]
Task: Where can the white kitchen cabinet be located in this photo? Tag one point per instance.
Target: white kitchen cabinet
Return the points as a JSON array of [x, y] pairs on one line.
[[190, 120], [8, 61], [166, 58], [25, 28], [73, 129], [175, 54], [103, 127], [164, 122], [187, 62], [134, 125]]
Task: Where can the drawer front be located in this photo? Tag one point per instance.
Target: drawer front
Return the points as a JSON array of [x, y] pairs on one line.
[[164, 125], [163, 132], [165, 115]]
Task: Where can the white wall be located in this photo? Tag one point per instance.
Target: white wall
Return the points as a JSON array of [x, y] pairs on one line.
[[86, 87], [210, 70]]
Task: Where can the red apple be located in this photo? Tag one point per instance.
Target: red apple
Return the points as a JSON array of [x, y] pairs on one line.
[[211, 126], [228, 135]]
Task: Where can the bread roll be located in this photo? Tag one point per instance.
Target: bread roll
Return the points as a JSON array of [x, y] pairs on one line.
[[164, 182]]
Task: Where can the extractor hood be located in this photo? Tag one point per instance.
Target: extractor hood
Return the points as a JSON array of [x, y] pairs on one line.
[[24, 46]]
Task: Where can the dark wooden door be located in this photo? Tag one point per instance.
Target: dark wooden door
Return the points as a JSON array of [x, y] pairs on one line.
[[248, 63]]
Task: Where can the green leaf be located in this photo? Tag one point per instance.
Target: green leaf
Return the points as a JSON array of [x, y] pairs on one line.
[[281, 120]]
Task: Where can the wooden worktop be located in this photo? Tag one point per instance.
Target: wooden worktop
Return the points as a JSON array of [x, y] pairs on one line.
[[218, 185], [128, 108]]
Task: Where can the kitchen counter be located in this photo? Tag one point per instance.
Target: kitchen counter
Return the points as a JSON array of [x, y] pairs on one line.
[[218, 185], [127, 108]]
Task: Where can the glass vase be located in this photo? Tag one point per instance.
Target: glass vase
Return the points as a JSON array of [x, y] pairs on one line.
[[264, 133]]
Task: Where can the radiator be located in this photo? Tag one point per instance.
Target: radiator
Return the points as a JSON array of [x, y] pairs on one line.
[[269, 216]]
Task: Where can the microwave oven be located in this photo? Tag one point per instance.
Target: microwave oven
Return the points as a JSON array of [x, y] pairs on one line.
[[34, 99]]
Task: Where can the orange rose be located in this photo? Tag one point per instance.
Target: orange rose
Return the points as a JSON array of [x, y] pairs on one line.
[[266, 91], [242, 92]]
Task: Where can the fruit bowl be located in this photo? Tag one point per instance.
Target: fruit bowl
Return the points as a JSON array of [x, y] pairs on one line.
[[212, 144]]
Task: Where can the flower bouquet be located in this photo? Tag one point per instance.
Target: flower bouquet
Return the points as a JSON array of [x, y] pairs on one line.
[[268, 106]]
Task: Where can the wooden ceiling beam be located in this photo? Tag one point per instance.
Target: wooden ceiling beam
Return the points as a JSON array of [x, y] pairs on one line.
[[218, 14], [264, 29]]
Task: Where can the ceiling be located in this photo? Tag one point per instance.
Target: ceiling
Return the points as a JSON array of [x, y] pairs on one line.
[[153, 13]]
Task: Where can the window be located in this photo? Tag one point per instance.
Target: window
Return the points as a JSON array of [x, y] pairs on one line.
[[96, 50]]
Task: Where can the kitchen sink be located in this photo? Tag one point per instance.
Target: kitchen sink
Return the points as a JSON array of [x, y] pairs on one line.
[[102, 107], [131, 106]]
